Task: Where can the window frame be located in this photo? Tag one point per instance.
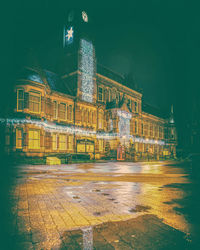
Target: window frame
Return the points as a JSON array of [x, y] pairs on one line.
[[100, 93], [65, 116], [62, 142], [20, 99], [18, 139], [36, 94], [136, 127], [70, 112], [136, 106], [55, 109], [70, 142], [54, 142], [33, 139]]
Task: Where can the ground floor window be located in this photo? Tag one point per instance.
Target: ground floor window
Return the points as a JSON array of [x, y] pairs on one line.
[[89, 148], [34, 139], [62, 142], [100, 145], [70, 142], [54, 141], [19, 137]]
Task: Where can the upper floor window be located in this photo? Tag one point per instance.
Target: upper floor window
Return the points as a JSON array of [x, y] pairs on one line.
[[151, 129], [62, 111], [136, 107], [100, 94], [69, 115], [100, 120], [136, 127], [85, 116], [20, 99], [129, 103], [34, 102], [100, 145], [109, 95], [55, 109], [142, 128], [113, 95]]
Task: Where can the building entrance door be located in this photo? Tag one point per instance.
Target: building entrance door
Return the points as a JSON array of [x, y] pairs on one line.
[[85, 146]]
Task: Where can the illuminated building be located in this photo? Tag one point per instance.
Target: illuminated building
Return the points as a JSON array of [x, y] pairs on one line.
[[85, 108]]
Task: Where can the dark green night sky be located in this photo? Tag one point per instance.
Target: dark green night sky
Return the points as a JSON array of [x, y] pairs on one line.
[[156, 41]]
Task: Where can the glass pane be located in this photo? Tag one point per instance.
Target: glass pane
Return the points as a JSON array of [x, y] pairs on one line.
[[20, 94]]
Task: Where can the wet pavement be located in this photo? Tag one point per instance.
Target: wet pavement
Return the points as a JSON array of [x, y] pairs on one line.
[[114, 205]]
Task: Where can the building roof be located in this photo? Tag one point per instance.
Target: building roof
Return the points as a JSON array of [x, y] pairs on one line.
[[110, 74], [147, 108]]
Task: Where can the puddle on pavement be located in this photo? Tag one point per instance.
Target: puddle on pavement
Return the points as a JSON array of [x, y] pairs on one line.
[[135, 233]]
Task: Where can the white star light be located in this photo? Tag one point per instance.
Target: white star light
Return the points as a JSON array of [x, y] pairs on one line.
[[69, 34]]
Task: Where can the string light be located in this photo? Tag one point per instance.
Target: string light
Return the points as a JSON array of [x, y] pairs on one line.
[[87, 70], [124, 125], [49, 127]]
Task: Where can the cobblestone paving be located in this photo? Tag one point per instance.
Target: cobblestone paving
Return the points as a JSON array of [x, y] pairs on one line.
[[123, 205]]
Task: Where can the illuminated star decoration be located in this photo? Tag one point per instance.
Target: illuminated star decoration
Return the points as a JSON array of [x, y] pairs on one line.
[[69, 34]]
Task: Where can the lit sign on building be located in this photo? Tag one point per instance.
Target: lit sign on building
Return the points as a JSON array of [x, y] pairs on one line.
[[68, 35], [87, 70]]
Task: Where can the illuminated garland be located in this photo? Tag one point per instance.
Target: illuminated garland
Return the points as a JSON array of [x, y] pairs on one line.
[[79, 131], [87, 70]]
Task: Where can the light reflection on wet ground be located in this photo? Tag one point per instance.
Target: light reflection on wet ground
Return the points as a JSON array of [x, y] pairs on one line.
[[68, 197]]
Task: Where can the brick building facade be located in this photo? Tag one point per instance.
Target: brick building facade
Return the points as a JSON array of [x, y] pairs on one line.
[[83, 109]]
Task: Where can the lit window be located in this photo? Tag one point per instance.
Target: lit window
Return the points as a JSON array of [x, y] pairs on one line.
[[34, 102], [100, 120], [82, 115], [34, 139], [62, 111], [19, 137], [55, 109], [54, 142], [62, 142], [20, 99], [70, 142], [100, 145], [94, 117], [100, 97], [48, 140], [69, 113]]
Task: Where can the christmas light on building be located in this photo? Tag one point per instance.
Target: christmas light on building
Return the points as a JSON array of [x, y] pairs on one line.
[[88, 110], [87, 70]]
